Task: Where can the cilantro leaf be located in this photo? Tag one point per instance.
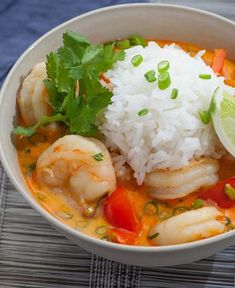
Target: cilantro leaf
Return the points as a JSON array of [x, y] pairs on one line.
[[68, 57], [64, 82], [55, 98], [76, 73], [77, 104], [52, 65], [76, 43], [91, 53]]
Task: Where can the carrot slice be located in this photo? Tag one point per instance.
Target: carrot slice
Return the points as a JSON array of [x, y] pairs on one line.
[[218, 61], [105, 79], [230, 82]]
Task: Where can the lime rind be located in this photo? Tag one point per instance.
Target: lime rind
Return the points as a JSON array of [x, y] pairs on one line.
[[223, 117]]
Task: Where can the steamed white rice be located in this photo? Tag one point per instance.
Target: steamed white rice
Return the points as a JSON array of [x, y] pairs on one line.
[[171, 134]]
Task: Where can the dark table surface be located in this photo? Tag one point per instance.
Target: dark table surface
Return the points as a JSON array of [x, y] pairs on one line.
[[32, 253]]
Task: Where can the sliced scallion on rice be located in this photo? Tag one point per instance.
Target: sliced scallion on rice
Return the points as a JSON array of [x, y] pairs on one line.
[[205, 117], [174, 93], [164, 80], [143, 112], [137, 60], [205, 76], [163, 66], [150, 76]]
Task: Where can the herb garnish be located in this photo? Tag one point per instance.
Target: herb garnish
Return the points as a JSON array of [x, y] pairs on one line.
[[98, 157], [151, 237], [198, 203], [137, 60], [174, 93], [205, 76], [143, 112], [77, 60], [30, 168], [206, 114], [230, 191]]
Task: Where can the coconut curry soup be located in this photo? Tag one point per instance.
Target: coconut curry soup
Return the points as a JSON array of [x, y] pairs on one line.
[[125, 141]]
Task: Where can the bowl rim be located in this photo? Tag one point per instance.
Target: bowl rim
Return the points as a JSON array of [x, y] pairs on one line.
[[39, 208]]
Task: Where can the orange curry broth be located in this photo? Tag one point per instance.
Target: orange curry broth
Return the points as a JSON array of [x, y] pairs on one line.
[[69, 211]]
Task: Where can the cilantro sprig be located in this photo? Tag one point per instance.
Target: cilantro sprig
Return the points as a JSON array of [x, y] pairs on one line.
[[77, 60]]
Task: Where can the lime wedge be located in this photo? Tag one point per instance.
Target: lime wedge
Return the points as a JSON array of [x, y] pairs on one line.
[[223, 117]]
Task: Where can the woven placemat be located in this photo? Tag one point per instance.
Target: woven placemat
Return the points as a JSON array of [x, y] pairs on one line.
[[32, 253]]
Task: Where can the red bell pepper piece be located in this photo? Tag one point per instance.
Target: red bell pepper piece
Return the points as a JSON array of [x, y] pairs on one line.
[[217, 194], [120, 212], [122, 236], [218, 61]]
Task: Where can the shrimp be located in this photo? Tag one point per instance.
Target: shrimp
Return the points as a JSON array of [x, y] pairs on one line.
[[79, 165], [167, 184], [33, 97], [188, 226]]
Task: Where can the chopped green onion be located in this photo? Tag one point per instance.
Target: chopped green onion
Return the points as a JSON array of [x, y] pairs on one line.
[[98, 157], [205, 117], [227, 221], [212, 106], [123, 44], [151, 208], [28, 151], [230, 191], [164, 80], [82, 224], [30, 168], [206, 114], [151, 237], [174, 93], [65, 215], [163, 66], [205, 76], [150, 76], [197, 203], [137, 60], [101, 230], [143, 112], [106, 238], [137, 40], [164, 215], [179, 210], [41, 196]]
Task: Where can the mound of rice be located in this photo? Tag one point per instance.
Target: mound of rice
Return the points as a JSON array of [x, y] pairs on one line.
[[171, 133]]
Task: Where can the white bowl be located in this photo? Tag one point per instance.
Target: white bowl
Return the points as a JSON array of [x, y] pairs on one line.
[[151, 21]]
